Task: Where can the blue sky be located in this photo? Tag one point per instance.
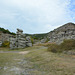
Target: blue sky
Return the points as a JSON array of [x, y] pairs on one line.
[[36, 16]]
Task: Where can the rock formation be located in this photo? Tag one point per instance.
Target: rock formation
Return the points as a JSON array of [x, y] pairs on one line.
[[5, 37], [66, 31], [21, 41], [43, 40], [28, 42]]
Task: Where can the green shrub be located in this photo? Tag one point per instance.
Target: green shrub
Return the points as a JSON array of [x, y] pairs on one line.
[[47, 40], [65, 46], [5, 44], [54, 48], [68, 45], [32, 40]]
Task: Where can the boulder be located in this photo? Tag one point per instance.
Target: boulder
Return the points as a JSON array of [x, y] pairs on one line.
[[29, 44]]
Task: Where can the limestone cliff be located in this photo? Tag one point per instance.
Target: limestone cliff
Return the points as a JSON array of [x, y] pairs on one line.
[[66, 31]]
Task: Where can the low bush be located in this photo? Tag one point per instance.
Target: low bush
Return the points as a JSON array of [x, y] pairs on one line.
[[66, 45], [32, 40], [54, 48], [5, 44], [45, 44]]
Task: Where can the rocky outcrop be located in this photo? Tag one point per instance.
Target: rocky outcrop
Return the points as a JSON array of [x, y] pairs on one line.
[[43, 40], [28, 41], [69, 52], [21, 41], [66, 31], [5, 37]]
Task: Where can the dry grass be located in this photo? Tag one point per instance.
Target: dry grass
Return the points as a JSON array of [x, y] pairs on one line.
[[47, 63], [39, 62], [45, 44], [66, 45]]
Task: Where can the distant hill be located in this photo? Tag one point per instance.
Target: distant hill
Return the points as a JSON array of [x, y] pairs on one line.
[[38, 36]]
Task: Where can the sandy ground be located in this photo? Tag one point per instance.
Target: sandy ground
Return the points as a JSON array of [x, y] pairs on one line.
[[24, 52]]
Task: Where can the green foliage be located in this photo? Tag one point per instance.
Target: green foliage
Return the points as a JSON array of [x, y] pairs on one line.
[[6, 44], [6, 31], [37, 36], [47, 40], [32, 40], [12, 33]]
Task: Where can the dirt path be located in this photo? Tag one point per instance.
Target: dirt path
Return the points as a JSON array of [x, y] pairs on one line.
[[24, 52], [20, 52]]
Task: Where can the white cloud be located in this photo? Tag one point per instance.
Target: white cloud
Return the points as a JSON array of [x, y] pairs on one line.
[[35, 16]]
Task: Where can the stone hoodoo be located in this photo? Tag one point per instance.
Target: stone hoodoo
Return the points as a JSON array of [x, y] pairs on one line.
[[21, 41], [66, 31]]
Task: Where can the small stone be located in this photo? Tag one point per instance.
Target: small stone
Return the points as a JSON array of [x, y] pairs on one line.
[[0, 67]]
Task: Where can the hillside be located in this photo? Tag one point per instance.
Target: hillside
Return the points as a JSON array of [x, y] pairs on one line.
[[66, 31], [6, 31]]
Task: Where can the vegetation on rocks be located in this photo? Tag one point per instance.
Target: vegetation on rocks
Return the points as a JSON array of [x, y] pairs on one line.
[[5, 44], [37, 36], [6, 31]]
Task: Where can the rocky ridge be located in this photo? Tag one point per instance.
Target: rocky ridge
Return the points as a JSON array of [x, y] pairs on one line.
[[66, 31]]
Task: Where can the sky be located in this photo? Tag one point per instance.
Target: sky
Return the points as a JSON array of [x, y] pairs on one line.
[[36, 16]]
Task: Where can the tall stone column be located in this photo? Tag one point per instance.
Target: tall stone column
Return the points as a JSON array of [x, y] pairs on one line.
[[20, 41]]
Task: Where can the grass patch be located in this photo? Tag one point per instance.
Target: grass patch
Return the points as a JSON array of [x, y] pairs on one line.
[[7, 58], [7, 62], [24, 49]]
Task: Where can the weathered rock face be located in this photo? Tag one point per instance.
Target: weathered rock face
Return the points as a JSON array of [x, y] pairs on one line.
[[4, 37], [0, 43], [66, 31], [28, 43], [43, 40], [20, 41], [13, 43]]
